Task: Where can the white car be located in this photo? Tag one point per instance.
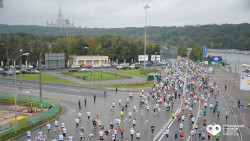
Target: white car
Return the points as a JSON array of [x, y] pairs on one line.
[[119, 67], [30, 66], [106, 65], [84, 69], [96, 66]]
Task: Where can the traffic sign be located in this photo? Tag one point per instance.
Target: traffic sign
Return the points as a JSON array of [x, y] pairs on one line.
[[241, 106]]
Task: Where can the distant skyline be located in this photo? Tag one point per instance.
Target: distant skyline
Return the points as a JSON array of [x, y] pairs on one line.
[[126, 13]]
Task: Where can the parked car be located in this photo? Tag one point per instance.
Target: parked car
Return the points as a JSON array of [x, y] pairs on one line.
[[96, 66], [106, 65], [30, 66], [135, 66], [34, 71], [73, 70], [10, 72], [86, 66], [119, 67], [24, 71], [84, 69], [11, 67], [17, 67]]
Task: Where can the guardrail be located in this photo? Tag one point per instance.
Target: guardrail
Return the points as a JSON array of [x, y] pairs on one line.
[[27, 121]]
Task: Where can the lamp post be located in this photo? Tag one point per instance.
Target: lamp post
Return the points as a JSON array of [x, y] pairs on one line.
[[25, 54], [146, 7], [91, 68], [67, 23], [21, 82]]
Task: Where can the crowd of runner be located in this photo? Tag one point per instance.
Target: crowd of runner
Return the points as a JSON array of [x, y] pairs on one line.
[[185, 84]]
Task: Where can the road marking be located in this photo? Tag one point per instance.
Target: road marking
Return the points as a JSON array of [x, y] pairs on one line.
[[170, 124], [163, 128], [124, 119]]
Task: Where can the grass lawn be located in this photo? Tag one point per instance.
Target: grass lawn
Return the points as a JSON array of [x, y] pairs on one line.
[[98, 75], [45, 77], [137, 72]]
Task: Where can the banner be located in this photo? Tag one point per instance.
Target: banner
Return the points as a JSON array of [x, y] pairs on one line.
[[141, 58], [204, 51], [216, 59], [245, 83], [158, 58]]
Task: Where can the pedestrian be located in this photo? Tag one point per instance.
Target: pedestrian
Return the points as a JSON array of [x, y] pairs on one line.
[[91, 135], [167, 132], [225, 87], [64, 131], [200, 131], [60, 137], [152, 128], [226, 115], [70, 138], [218, 113], [81, 135], [85, 102], [134, 121], [40, 133], [48, 126], [101, 135], [176, 134], [28, 134], [77, 122], [238, 102], [203, 135], [208, 135], [181, 134], [45, 138], [113, 105], [79, 105], [146, 124], [138, 135], [217, 136], [56, 125], [79, 115], [94, 97], [122, 131], [106, 133], [88, 114], [132, 133]]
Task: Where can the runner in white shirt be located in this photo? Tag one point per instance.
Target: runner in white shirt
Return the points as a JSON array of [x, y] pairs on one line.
[[70, 138], [77, 122], [167, 132], [28, 134], [138, 135], [181, 126], [64, 131], [88, 114], [132, 133], [60, 137], [48, 126], [56, 125], [101, 134], [79, 115], [62, 125], [40, 133], [129, 115]]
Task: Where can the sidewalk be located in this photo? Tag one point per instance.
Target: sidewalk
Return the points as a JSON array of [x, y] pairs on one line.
[[232, 95]]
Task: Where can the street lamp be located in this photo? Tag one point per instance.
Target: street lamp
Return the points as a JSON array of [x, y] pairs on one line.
[[25, 54], [67, 23], [91, 68], [146, 7]]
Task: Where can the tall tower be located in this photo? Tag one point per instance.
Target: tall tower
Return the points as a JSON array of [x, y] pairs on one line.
[[60, 20]]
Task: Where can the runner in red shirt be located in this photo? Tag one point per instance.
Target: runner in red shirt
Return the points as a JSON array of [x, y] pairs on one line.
[[181, 134], [122, 131], [215, 96]]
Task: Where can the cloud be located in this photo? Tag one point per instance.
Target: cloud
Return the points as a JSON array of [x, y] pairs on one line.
[[126, 13]]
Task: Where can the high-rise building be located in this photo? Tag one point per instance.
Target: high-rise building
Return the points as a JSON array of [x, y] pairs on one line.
[[60, 22]]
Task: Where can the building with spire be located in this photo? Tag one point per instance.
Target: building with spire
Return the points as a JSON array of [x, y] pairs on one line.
[[60, 22]]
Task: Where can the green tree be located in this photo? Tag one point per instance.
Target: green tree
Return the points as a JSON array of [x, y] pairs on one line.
[[196, 52], [182, 50]]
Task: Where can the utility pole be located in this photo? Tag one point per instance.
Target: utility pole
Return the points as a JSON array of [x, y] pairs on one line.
[[146, 7], [40, 66]]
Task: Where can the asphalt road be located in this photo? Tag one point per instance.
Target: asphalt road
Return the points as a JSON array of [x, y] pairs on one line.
[[69, 97]]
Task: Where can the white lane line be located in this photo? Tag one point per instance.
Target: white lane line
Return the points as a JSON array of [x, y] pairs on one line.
[[188, 138], [164, 127], [125, 119], [170, 124]]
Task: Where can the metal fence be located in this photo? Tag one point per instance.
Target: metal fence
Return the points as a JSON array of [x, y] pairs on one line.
[[32, 119]]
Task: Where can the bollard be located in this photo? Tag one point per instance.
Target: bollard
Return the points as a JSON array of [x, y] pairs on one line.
[[116, 90], [104, 93]]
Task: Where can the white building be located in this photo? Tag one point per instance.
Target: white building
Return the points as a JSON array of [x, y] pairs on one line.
[[60, 22], [86, 59]]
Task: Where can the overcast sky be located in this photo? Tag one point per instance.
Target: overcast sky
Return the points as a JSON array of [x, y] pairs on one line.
[[126, 13]]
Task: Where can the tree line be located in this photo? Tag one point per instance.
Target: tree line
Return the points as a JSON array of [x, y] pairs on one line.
[[37, 45], [225, 36]]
